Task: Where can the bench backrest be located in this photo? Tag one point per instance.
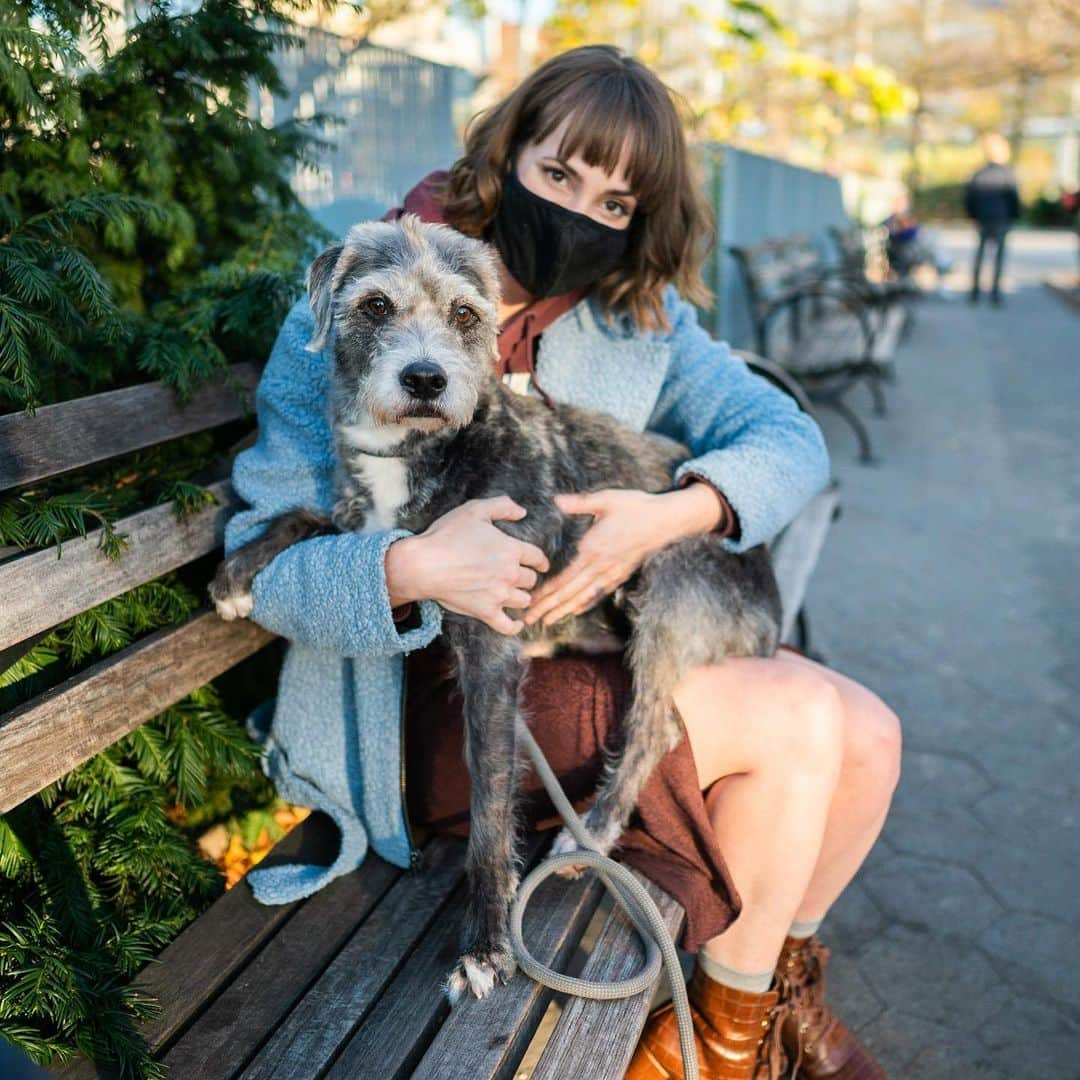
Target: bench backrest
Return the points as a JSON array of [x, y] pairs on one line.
[[51, 734], [46, 737]]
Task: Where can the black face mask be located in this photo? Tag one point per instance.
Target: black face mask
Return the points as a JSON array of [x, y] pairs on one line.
[[548, 249]]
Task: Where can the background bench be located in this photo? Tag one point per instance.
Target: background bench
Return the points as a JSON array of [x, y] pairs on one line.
[[831, 327], [349, 980]]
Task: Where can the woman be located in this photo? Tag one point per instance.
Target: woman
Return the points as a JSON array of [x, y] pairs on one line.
[[580, 180]]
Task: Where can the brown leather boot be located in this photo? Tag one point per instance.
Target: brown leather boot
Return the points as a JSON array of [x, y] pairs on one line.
[[812, 1034], [736, 1036]]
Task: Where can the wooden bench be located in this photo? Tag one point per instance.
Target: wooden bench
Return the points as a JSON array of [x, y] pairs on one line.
[[346, 983], [829, 327]]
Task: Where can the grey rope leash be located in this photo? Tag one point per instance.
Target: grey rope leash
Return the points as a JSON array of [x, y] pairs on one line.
[[629, 892]]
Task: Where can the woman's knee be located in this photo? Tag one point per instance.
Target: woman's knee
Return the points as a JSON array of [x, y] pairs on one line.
[[873, 740], [813, 738], [782, 718]]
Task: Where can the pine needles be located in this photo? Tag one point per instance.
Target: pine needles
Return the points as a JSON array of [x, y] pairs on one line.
[[147, 231]]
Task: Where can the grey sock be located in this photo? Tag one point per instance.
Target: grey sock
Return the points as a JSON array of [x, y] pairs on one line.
[[805, 929], [748, 982]]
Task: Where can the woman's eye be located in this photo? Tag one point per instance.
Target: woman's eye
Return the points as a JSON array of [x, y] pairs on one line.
[[555, 174], [616, 209], [464, 315], [377, 306]]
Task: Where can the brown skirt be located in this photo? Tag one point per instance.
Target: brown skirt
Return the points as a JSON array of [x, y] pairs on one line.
[[573, 705]]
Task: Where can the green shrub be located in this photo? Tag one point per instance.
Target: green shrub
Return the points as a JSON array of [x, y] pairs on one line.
[[147, 231]]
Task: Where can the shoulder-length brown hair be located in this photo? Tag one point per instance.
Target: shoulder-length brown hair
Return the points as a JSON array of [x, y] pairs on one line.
[[606, 96]]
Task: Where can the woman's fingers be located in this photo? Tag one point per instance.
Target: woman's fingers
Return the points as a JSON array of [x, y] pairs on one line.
[[593, 502], [526, 578], [500, 622], [531, 555], [555, 592], [586, 598], [518, 599]]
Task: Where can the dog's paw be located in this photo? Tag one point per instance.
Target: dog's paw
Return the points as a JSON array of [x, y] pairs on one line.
[[234, 605], [565, 844], [478, 972]]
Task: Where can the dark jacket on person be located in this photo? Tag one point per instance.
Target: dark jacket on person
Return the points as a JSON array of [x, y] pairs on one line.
[[991, 197]]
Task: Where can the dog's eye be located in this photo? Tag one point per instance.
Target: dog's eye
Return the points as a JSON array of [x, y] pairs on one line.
[[464, 315], [377, 306]]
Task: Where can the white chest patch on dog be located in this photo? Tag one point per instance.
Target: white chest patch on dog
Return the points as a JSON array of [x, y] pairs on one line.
[[388, 482]]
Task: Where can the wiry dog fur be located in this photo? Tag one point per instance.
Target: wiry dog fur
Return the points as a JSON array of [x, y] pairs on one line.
[[414, 442]]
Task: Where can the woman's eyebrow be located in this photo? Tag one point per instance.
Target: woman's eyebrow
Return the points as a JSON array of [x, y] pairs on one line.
[[568, 168]]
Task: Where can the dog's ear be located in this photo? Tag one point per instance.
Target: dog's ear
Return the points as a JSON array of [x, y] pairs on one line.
[[483, 258], [321, 294]]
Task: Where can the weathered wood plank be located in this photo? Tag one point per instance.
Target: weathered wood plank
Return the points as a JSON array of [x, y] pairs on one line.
[[508, 1018], [309, 1037], [208, 953], [84, 431], [49, 736], [597, 1038], [406, 1017], [41, 590], [796, 550], [231, 1031]]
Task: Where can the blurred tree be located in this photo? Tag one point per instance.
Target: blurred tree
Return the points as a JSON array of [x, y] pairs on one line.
[[739, 66]]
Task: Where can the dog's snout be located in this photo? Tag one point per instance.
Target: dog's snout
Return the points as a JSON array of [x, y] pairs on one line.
[[423, 379]]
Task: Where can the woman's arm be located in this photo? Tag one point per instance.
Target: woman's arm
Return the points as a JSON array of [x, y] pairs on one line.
[[329, 592], [749, 439]]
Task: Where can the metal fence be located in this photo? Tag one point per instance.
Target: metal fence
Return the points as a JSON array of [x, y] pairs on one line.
[[401, 114], [757, 198], [395, 117]]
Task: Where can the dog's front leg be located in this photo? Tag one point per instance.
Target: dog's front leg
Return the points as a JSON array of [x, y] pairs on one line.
[[490, 672], [231, 588]]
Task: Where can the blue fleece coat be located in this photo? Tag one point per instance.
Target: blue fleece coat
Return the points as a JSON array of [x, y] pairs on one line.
[[333, 739]]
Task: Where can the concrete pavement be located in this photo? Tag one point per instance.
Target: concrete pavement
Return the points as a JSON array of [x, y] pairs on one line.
[[951, 587]]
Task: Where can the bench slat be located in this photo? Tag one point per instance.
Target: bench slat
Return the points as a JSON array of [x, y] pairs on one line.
[[204, 956], [307, 1040], [49, 736], [796, 551], [554, 922], [597, 1038], [231, 1031], [84, 431], [41, 590], [407, 1015]]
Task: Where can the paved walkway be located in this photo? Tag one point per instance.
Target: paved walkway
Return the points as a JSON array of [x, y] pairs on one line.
[[951, 586]]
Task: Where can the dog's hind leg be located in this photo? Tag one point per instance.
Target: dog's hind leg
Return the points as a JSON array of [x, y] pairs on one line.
[[490, 670], [231, 588], [695, 603]]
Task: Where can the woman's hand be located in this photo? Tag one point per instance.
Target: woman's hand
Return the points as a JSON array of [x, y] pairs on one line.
[[468, 565], [628, 527]]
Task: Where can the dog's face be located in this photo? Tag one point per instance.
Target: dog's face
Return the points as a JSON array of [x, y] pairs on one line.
[[414, 312]]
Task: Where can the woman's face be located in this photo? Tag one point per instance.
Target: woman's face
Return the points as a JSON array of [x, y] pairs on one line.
[[583, 188]]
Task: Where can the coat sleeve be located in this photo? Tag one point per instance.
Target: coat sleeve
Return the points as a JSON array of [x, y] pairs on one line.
[[748, 438], [328, 592]]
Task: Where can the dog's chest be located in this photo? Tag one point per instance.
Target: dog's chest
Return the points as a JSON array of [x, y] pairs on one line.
[[387, 479]]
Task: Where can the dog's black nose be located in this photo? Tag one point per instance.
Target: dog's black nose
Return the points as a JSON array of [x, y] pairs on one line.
[[423, 380]]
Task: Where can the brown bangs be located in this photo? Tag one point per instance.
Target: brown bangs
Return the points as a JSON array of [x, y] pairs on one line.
[[600, 118], [605, 98]]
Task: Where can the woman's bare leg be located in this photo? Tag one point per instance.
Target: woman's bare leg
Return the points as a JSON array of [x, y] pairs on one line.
[[868, 777], [802, 763]]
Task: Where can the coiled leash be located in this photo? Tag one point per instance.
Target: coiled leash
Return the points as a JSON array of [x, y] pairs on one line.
[[627, 891]]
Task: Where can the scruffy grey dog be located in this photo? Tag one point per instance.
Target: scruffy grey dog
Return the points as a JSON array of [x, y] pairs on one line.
[[422, 425]]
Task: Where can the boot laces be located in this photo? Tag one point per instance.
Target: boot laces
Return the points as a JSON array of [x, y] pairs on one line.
[[772, 1062], [804, 981]]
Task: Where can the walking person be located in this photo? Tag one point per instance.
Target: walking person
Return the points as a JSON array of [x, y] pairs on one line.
[[993, 203], [761, 816]]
